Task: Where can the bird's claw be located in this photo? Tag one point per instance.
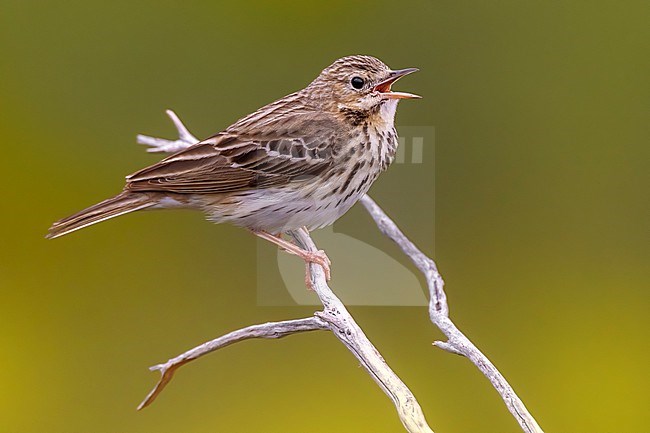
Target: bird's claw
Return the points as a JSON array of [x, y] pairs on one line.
[[319, 258]]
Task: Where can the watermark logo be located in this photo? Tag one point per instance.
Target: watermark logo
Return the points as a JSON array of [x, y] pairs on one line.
[[367, 269]]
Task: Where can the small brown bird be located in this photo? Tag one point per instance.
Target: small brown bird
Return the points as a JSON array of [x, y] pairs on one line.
[[301, 161]]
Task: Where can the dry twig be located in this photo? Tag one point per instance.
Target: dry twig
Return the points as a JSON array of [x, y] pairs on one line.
[[456, 342], [264, 330]]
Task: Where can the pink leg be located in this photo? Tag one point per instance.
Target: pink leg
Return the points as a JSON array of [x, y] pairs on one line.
[[318, 257]]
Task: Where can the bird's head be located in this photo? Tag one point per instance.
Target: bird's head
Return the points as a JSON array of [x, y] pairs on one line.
[[358, 83]]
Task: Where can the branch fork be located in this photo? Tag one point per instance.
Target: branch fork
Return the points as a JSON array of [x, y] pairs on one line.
[[335, 318]]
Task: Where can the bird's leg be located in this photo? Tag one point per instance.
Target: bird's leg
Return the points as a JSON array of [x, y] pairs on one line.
[[318, 257]]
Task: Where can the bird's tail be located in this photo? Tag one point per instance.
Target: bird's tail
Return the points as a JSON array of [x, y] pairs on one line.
[[116, 206]]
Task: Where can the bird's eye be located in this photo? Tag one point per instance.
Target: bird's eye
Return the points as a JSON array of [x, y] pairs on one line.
[[357, 82]]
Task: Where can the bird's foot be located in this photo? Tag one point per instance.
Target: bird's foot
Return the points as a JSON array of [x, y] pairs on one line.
[[317, 257], [320, 258]]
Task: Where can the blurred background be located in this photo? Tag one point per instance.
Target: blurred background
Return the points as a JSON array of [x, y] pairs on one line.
[[541, 210]]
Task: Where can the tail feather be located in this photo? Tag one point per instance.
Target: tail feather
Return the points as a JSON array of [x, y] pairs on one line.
[[116, 206]]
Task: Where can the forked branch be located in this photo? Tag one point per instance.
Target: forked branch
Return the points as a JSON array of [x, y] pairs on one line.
[[457, 342], [337, 319], [264, 330]]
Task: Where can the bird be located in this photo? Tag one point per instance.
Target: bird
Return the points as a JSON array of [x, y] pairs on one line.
[[300, 162]]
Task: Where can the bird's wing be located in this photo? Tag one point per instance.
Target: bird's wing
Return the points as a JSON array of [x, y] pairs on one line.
[[263, 155]]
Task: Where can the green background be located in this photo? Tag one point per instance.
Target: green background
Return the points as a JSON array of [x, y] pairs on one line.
[[541, 118]]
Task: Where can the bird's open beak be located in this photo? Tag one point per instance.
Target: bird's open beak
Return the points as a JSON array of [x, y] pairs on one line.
[[384, 86]]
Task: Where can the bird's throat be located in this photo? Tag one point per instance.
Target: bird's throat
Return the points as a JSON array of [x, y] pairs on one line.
[[387, 112], [382, 114]]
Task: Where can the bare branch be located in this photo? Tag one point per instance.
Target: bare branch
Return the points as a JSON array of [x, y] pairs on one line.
[[264, 330], [457, 342], [160, 145], [346, 329]]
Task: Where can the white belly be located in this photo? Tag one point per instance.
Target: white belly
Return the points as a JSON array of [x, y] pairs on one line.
[[279, 210]]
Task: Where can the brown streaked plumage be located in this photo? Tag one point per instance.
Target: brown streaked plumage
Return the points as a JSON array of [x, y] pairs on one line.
[[301, 161]]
